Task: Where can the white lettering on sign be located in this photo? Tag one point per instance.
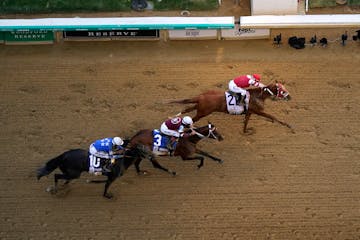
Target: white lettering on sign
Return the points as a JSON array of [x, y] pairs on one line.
[[183, 34], [244, 33]]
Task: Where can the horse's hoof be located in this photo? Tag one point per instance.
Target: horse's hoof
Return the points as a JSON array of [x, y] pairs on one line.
[[143, 172], [108, 196], [199, 167], [221, 161], [173, 173], [51, 190]]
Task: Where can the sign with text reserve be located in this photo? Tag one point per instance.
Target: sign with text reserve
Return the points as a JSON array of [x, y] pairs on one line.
[[112, 34], [29, 36]]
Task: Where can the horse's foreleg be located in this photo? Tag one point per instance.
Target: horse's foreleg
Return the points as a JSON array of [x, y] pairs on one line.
[[195, 158], [209, 156], [246, 120], [272, 118], [156, 164], [107, 194]]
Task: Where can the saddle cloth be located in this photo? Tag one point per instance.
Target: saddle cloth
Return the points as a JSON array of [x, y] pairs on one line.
[[160, 142], [96, 164], [231, 105]]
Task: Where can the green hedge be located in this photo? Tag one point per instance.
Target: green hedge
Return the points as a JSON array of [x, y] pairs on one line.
[[354, 2], [185, 4], [53, 6], [322, 3], [58, 6]]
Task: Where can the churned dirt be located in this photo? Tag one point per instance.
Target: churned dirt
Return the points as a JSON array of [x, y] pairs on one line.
[[273, 184]]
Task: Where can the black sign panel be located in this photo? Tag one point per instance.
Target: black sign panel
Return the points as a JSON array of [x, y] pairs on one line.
[[112, 34]]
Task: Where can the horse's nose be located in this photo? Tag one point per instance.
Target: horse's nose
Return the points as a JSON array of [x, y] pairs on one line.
[[220, 138], [288, 97]]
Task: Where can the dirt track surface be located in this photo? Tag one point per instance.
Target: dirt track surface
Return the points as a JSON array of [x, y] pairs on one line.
[[274, 184]]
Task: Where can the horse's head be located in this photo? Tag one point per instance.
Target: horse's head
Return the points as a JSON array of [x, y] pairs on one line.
[[209, 131], [277, 91]]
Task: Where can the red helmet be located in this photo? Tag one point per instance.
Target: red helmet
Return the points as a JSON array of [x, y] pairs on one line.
[[257, 76]]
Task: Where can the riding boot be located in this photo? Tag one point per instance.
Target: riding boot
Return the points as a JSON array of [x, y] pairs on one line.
[[240, 99], [170, 145], [107, 166]]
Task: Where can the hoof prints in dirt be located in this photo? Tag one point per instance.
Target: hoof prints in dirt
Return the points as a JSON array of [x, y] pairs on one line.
[[77, 88]]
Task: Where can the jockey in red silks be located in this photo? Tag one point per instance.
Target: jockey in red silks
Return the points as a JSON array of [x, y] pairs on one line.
[[174, 127], [238, 84]]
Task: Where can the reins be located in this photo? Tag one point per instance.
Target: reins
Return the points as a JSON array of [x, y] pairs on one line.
[[266, 89], [210, 133]]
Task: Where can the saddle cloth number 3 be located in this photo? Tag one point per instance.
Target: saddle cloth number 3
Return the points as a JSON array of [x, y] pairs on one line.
[[157, 140]]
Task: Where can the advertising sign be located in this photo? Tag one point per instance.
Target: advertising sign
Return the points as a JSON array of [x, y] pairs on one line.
[[112, 34], [245, 33], [31, 36], [193, 34]]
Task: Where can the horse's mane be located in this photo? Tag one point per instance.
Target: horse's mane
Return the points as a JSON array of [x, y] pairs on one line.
[[259, 90], [198, 128], [213, 92]]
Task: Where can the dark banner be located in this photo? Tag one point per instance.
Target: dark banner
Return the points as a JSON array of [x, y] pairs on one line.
[[29, 36], [112, 34]]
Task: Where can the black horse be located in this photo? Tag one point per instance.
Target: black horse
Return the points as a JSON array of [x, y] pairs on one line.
[[73, 162]]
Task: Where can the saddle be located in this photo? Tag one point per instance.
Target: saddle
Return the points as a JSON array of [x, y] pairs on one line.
[[98, 165], [236, 103], [163, 143]]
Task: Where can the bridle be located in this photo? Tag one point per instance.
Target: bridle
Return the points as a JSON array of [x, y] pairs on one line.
[[210, 133], [279, 92]]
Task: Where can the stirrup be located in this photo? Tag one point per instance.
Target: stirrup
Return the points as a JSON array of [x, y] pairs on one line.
[[239, 98], [242, 99], [106, 169]]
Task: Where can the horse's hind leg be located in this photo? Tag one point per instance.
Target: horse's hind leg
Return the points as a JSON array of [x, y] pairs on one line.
[[156, 164], [54, 189]]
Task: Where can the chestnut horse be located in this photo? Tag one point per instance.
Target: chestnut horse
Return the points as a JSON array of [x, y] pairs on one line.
[[185, 147], [215, 101]]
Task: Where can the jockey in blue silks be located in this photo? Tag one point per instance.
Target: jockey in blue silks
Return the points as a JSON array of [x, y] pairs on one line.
[[107, 148]]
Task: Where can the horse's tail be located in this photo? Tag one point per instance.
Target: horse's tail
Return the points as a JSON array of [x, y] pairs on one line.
[[50, 166], [186, 101]]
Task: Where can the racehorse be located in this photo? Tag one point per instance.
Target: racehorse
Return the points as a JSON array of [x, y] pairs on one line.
[[73, 162], [151, 141], [215, 101]]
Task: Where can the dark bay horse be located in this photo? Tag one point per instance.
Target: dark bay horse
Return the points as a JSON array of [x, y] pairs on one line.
[[185, 148], [215, 101], [73, 162]]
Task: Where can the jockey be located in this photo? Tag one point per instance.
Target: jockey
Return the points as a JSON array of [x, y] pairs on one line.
[[238, 84], [174, 127], [107, 148]]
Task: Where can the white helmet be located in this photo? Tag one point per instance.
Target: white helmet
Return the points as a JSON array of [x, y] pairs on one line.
[[117, 141], [187, 120]]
